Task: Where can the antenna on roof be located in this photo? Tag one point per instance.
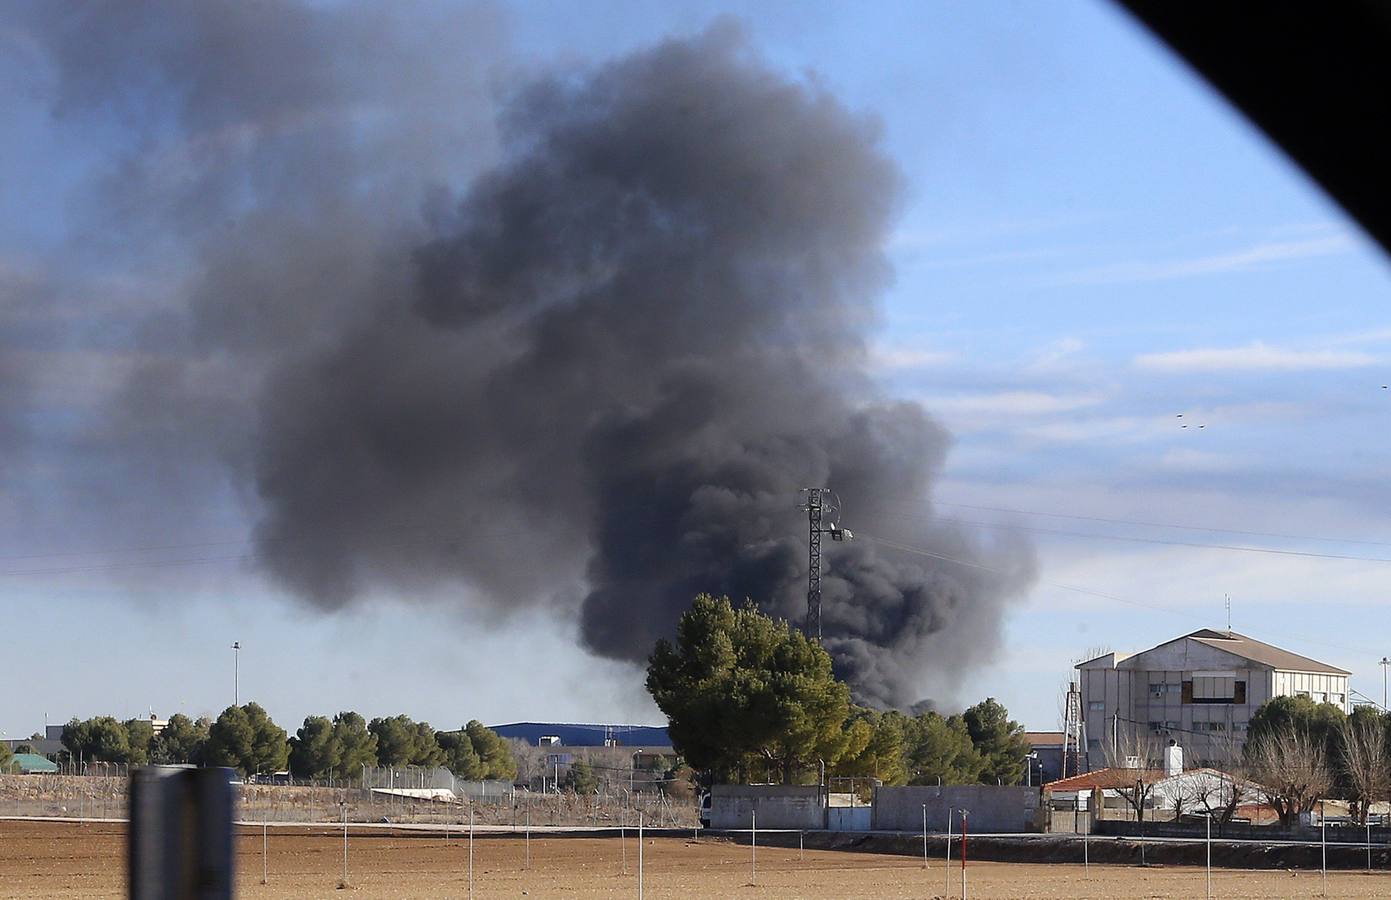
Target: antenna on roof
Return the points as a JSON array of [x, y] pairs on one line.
[[1229, 614]]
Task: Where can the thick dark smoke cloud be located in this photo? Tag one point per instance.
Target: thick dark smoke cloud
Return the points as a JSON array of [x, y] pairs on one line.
[[586, 360]]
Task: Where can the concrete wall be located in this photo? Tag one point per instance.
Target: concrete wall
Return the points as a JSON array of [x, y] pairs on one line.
[[778, 806], [993, 809], [849, 818]]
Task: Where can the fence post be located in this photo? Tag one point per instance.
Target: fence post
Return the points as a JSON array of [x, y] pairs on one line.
[[924, 835], [946, 891], [1323, 840], [964, 814], [265, 859], [754, 844], [1209, 856], [470, 854], [639, 854], [344, 882]]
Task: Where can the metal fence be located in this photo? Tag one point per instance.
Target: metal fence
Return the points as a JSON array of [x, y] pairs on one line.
[[105, 797]]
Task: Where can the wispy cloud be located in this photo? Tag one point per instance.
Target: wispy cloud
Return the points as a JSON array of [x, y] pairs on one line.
[[1256, 356], [1095, 430], [1186, 459], [1255, 257], [1010, 403], [898, 358], [1057, 355]]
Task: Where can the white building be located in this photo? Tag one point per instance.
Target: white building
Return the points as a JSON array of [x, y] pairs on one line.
[[1199, 690]]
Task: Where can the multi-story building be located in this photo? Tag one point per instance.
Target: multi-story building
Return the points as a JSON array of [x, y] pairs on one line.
[[1198, 690]]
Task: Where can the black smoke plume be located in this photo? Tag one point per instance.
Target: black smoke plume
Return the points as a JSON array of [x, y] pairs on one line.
[[593, 375]]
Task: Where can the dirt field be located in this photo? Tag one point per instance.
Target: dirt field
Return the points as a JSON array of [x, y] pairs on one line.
[[40, 859]]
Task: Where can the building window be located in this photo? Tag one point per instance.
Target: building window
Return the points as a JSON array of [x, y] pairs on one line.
[[1335, 699], [1216, 726], [1239, 692], [1215, 689], [1096, 705]]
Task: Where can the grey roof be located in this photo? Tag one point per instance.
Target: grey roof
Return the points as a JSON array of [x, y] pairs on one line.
[[1257, 651]]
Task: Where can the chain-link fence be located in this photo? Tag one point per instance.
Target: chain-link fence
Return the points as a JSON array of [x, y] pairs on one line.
[[410, 800]]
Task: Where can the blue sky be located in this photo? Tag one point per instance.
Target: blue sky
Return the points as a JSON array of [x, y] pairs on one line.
[[1092, 245]]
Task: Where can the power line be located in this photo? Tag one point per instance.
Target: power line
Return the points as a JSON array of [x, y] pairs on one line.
[[1202, 545], [1143, 524], [920, 551], [442, 538], [146, 549]]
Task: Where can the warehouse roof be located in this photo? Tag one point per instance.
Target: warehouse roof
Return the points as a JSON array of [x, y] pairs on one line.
[[1258, 651], [1249, 648]]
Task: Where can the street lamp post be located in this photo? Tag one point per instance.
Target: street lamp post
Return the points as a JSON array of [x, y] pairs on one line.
[[1029, 767], [236, 673], [1384, 664]]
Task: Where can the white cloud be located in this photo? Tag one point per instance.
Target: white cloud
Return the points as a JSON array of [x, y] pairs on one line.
[[1100, 429], [1010, 403], [1186, 459], [1251, 258], [1059, 354], [1256, 356], [897, 358]]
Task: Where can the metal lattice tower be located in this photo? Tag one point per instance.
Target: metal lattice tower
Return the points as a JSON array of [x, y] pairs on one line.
[[1072, 728], [814, 511], [821, 504]]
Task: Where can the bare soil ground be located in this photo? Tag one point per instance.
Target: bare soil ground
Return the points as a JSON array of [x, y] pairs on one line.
[[63, 859]]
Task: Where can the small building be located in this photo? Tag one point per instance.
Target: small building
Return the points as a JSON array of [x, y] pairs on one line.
[[1200, 690], [1046, 759], [32, 764]]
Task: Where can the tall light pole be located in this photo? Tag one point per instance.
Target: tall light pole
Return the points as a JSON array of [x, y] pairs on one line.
[[236, 673], [1384, 664]]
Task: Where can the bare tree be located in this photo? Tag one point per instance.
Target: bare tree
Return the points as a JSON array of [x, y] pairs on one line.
[[530, 759], [1220, 795], [1294, 770], [1135, 759], [1364, 761]]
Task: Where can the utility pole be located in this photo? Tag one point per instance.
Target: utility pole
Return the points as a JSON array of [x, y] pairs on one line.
[[1384, 663], [821, 504]]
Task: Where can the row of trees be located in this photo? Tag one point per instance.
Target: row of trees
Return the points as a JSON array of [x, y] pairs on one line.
[[247, 739], [1301, 752], [750, 697], [1297, 752]]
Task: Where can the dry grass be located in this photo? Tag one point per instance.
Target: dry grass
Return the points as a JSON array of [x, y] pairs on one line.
[[85, 861]]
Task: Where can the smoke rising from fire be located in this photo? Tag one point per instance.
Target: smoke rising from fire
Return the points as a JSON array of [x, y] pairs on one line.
[[577, 341]]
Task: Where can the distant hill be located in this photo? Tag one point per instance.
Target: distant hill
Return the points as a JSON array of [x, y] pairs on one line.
[[586, 735]]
